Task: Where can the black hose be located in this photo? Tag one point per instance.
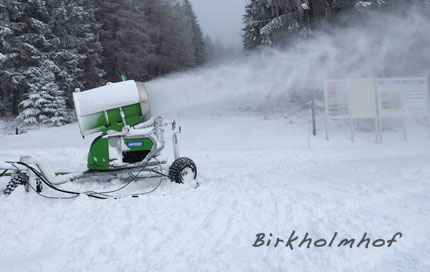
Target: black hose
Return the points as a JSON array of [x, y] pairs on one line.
[[96, 195], [46, 181]]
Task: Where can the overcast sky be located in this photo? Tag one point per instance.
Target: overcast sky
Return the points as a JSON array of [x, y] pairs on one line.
[[221, 18]]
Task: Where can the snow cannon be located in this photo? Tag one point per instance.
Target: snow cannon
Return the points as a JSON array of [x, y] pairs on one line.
[[129, 138], [129, 145]]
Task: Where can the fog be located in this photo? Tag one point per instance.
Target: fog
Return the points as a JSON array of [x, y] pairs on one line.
[[377, 45], [221, 19]]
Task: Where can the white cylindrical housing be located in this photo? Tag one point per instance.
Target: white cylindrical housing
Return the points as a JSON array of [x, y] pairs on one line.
[[99, 109]]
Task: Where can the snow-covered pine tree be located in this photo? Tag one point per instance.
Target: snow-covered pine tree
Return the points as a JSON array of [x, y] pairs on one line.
[[44, 101], [135, 43], [276, 21], [106, 16], [148, 38], [197, 34], [209, 48], [76, 31], [256, 17], [180, 49], [125, 38], [58, 43], [173, 49], [272, 21], [5, 56], [287, 18], [12, 24], [155, 12]]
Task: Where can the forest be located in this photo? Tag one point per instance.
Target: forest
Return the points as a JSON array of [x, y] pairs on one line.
[[279, 22], [48, 48]]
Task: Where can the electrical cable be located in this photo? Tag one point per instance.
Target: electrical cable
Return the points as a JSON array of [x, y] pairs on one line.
[[93, 194], [159, 173], [13, 164], [155, 188], [133, 179], [50, 185], [46, 181], [51, 197]]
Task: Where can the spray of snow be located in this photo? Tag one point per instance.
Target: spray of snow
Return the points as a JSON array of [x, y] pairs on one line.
[[376, 44]]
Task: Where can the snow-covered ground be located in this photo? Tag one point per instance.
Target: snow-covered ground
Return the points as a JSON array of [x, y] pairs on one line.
[[257, 175]]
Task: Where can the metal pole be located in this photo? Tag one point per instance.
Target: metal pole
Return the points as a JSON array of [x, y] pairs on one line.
[[326, 127], [376, 129], [325, 110], [378, 114], [351, 124], [314, 127], [405, 130], [351, 127], [428, 105], [175, 145]]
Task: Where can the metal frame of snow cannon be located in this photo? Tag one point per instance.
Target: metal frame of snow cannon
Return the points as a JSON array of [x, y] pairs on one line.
[[126, 128]]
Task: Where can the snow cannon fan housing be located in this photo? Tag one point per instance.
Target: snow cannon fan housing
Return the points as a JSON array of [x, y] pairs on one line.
[[108, 110], [99, 109]]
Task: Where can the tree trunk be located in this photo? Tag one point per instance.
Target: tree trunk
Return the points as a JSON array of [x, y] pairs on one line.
[[16, 95]]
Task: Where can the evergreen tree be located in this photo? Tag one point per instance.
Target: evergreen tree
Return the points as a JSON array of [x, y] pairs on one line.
[[272, 21], [255, 18], [277, 21], [50, 47], [179, 49], [197, 34], [44, 101], [74, 25], [287, 18], [209, 49], [12, 55], [125, 38], [173, 49]]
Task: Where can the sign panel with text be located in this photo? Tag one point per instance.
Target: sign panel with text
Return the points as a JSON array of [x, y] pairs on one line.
[[415, 96], [390, 101], [336, 99], [377, 99]]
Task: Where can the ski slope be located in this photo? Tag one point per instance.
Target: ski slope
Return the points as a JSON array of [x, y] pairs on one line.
[[244, 126], [257, 175]]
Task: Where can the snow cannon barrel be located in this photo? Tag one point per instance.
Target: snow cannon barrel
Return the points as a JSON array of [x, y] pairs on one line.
[[111, 107]]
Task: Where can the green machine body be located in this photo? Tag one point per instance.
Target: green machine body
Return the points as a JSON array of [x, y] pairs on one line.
[[107, 110]]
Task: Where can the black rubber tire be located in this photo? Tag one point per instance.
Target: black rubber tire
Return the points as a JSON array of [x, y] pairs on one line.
[[175, 171]]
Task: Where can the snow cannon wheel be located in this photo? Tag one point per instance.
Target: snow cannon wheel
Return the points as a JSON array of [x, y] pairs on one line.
[[183, 170]]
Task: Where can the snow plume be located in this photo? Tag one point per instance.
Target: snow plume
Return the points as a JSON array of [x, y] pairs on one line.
[[375, 44]]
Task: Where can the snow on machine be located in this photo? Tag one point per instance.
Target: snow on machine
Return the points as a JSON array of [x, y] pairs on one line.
[[129, 145]]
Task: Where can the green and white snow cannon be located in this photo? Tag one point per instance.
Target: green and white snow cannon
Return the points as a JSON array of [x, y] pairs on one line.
[[130, 138], [130, 141], [112, 111]]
